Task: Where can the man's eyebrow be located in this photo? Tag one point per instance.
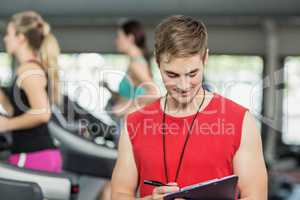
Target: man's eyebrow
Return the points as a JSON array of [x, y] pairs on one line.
[[170, 72], [193, 71], [190, 72]]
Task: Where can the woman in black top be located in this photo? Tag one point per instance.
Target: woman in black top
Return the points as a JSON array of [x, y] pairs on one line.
[[29, 39]]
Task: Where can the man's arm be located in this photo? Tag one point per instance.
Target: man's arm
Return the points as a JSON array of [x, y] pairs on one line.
[[249, 163], [125, 175]]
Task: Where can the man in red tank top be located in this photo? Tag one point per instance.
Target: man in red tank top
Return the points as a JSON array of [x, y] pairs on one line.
[[189, 135]]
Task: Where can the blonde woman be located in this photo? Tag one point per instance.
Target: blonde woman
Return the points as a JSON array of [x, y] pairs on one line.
[[29, 39]]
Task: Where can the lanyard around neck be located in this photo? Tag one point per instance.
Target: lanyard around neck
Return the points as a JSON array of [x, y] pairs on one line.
[[185, 142]]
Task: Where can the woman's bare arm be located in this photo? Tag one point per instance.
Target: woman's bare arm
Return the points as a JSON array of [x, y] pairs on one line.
[[142, 73], [4, 101], [33, 82]]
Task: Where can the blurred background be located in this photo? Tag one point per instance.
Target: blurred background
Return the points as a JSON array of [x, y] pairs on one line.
[[254, 60]]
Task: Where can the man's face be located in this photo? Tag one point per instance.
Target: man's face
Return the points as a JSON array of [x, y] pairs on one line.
[[183, 76]]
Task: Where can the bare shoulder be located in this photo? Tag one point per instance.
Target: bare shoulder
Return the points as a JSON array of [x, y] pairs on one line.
[[29, 73], [27, 67], [250, 135], [140, 70], [249, 122]]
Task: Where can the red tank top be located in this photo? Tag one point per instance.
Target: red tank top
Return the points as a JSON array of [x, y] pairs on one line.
[[209, 153]]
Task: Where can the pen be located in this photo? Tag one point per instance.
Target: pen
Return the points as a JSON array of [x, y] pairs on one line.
[[154, 183]]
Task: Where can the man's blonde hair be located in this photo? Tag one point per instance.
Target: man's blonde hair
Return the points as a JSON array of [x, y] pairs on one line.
[[180, 36]]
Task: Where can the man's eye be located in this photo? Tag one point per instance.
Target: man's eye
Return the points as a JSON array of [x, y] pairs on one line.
[[192, 74], [172, 75]]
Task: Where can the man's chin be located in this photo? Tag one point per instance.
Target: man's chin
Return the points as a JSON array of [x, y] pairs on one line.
[[182, 99]]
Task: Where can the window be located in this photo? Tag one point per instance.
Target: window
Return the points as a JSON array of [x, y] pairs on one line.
[[5, 69], [80, 74], [238, 78], [291, 99]]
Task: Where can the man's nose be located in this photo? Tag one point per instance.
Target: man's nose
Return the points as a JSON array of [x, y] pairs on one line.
[[183, 84]]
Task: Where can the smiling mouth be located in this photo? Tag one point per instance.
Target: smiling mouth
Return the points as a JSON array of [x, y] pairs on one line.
[[183, 93]]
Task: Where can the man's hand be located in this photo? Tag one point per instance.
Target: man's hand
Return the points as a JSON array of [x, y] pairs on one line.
[[159, 192]]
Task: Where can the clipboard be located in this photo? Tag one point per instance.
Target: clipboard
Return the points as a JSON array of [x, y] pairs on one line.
[[216, 189]]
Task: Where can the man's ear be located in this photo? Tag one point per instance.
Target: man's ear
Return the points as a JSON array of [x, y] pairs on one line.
[[205, 57], [156, 60]]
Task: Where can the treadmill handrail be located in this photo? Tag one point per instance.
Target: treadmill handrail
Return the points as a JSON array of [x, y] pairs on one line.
[[15, 187], [53, 186], [79, 144], [71, 126]]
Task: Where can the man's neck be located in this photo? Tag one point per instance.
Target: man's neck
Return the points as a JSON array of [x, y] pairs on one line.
[[176, 108]]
